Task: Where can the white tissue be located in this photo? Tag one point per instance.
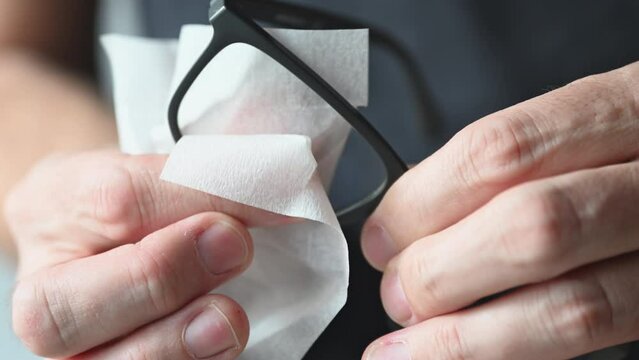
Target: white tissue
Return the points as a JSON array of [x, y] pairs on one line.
[[235, 115]]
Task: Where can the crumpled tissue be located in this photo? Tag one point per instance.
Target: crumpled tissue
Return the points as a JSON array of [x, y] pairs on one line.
[[256, 135]]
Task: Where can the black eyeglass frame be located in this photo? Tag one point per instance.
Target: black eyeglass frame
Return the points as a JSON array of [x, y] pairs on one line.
[[231, 26], [292, 16]]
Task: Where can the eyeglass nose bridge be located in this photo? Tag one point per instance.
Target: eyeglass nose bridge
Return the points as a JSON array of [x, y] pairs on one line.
[[231, 27]]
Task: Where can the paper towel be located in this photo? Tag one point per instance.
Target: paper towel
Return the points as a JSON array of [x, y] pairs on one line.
[[235, 115]]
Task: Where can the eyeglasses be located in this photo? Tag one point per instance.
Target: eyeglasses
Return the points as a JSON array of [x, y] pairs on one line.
[[234, 22]]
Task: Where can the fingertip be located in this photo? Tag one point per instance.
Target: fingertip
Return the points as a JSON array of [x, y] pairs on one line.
[[394, 299], [219, 329], [377, 246], [212, 327], [236, 316], [388, 347], [235, 226], [227, 228]]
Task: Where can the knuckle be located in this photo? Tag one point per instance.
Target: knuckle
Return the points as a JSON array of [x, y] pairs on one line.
[[423, 286], [596, 83], [153, 281], [500, 149], [40, 324], [115, 203], [543, 231], [610, 97], [628, 76], [582, 313], [448, 342], [400, 198]]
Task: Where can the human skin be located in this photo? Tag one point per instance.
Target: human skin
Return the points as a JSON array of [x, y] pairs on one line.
[[112, 262], [116, 264], [539, 200]]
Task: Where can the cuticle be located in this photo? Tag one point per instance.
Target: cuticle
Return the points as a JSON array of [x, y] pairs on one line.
[[228, 322]]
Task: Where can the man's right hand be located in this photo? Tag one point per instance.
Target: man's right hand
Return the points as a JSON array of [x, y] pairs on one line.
[[116, 264]]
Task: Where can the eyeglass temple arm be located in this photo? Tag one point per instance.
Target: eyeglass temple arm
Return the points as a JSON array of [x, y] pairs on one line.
[[217, 44], [298, 17]]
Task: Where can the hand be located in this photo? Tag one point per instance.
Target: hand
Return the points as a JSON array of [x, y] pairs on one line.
[[116, 264], [540, 199]]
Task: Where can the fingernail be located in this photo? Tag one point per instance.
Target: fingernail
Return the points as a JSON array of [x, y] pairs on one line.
[[209, 334], [394, 299], [377, 246], [222, 248], [390, 351]]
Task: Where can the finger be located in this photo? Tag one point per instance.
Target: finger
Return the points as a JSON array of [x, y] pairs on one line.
[[162, 203], [78, 305], [592, 122], [104, 199], [586, 310], [212, 327], [530, 233]]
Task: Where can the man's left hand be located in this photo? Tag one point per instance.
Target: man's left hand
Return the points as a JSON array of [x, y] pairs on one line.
[[540, 201]]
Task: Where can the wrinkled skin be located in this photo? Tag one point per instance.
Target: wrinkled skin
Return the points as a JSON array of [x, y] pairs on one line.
[[116, 264], [541, 199]]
